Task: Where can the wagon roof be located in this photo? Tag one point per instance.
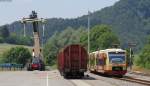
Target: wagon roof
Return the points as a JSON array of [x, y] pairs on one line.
[[62, 49]]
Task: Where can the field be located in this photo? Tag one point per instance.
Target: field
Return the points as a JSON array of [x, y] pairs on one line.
[[4, 47]]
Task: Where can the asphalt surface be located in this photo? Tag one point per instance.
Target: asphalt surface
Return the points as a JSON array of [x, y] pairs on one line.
[[53, 78], [43, 78]]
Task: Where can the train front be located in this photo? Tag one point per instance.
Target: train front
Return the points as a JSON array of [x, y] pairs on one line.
[[117, 62]]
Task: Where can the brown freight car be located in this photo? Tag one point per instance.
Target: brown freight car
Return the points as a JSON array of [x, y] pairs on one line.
[[72, 61]]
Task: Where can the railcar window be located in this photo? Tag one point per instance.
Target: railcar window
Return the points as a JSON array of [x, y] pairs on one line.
[[101, 62], [117, 58]]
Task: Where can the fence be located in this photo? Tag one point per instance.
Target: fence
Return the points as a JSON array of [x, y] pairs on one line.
[[10, 67]]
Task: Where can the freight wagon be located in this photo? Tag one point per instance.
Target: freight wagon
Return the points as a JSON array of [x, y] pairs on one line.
[[109, 61], [72, 61]]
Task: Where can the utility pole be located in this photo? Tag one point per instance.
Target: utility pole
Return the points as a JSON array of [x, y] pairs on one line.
[[131, 45], [88, 38], [88, 32]]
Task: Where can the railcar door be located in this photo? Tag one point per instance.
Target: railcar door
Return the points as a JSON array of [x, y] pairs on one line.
[[101, 62], [75, 57]]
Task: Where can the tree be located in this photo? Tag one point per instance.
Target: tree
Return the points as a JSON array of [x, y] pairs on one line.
[[50, 50], [12, 39], [1, 40], [59, 41], [130, 20], [25, 40], [4, 32], [20, 40], [144, 58], [19, 55], [106, 40], [101, 37]]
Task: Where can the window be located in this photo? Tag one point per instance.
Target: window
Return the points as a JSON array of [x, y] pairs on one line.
[[117, 58]]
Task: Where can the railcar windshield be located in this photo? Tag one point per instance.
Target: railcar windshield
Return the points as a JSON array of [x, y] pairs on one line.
[[117, 58]]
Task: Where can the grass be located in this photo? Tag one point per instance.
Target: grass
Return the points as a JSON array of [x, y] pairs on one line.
[[138, 68], [143, 70], [53, 66]]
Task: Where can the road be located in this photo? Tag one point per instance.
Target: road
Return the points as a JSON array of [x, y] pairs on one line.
[[53, 78]]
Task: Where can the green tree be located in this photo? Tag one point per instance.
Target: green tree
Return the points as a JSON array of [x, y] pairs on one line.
[[101, 37], [144, 58], [12, 39], [50, 50], [59, 41], [4, 32], [19, 55], [130, 20], [25, 40], [1, 40], [20, 40], [107, 39]]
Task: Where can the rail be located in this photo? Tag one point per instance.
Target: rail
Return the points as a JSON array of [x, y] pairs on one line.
[[139, 73], [134, 80]]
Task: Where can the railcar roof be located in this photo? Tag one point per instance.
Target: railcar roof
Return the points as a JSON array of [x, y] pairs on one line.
[[114, 50], [94, 52], [109, 50]]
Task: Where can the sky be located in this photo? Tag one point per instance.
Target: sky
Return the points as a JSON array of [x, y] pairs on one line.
[[14, 10]]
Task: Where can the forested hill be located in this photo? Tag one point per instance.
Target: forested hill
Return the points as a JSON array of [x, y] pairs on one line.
[[130, 20]]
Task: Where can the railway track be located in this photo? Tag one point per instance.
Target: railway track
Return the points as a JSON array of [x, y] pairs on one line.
[[138, 73], [134, 80]]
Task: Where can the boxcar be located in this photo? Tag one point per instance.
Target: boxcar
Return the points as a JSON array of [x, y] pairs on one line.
[[72, 61], [109, 61]]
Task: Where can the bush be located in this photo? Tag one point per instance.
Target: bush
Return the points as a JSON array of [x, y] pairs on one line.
[[144, 58], [19, 55]]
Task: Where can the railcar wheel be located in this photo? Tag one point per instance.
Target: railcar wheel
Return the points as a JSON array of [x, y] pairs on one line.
[[61, 73], [82, 74], [120, 76], [65, 75]]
